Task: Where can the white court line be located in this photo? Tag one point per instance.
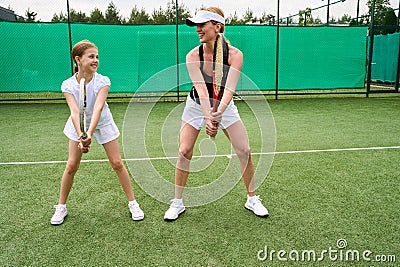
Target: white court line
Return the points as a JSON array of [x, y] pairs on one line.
[[210, 156]]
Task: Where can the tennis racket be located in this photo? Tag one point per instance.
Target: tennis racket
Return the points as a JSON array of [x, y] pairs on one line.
[[218, 73], [82, 107]]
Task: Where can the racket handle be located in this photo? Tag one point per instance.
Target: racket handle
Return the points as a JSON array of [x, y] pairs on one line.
[[84, 136], [213, 137]]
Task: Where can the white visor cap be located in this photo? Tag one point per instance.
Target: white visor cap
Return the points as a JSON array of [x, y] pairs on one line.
[[203, 16]]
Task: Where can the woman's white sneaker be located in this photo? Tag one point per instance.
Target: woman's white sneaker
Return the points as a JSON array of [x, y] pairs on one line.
[[174, 210], [254, 204]]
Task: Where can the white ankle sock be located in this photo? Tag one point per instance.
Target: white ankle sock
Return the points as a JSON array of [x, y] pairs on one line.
[[179, 201]]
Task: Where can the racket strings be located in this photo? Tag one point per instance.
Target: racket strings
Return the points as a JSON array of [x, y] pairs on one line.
[[218, 69], [219, 62], [82, 106], [218, 72], [84, 95]]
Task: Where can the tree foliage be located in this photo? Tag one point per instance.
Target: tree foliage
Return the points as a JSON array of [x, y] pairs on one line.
[[233, 19], [78, 16], [112, 15], [138, 16], [305, 17], [384, 15], [97, 16], [267, 18], [248, 16]]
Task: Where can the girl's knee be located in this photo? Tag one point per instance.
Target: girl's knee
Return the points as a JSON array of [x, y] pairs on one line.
[[72, 168], [117, 165]]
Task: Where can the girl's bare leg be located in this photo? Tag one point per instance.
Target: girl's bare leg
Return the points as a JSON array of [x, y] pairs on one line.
[[74, 159], [114, 156]]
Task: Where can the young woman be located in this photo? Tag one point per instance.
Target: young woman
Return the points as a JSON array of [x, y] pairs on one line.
[[101, 126], [209, 24]]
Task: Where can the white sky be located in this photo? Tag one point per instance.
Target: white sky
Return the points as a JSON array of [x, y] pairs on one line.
[[45, 8]]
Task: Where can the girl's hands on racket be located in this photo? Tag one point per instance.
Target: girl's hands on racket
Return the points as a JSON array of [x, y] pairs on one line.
[[87, 141], [82, 148], [84, 144]]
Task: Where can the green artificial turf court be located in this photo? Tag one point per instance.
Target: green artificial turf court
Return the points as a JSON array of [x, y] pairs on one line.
[[321, 193]]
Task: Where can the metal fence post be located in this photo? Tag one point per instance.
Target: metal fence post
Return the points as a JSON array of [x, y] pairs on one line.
[[70, 40], [371, 48], [396, 86], [177, 48], [277, 56]]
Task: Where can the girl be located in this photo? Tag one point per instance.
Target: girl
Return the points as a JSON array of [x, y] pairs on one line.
[[102, 127], [209, 24]]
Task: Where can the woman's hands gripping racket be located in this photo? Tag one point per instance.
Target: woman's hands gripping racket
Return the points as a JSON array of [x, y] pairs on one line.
[[217, 75], [84, 144]]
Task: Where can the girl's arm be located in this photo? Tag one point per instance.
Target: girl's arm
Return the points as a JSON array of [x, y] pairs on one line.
[[98, 108], [74, 109]]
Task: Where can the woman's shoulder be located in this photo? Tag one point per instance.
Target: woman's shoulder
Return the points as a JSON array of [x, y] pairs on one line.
[[235, 57], [193, 55], [234, 51]]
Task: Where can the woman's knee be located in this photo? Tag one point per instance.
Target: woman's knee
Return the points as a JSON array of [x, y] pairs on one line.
[[244, 152], [185, 153]]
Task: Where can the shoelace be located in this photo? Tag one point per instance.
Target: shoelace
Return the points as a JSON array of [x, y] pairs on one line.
[[59, 209], [175, 205], [256, 200], [134, 207]]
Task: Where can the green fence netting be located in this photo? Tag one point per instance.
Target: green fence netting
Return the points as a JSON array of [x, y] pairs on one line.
[[384, 57], [35, 57]]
